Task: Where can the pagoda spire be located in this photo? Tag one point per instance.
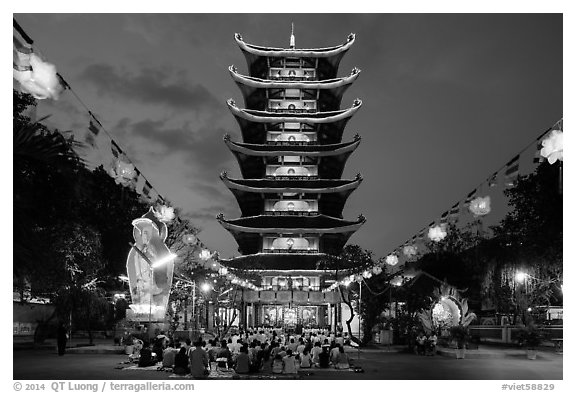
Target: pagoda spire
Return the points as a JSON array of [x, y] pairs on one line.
[[292, 38]]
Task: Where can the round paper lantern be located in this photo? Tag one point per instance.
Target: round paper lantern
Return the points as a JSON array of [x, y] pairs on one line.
[[189, 238], [480, 206], [437, 233], [553, 146], [41, 81], [205, 255], [409, 251], [392, 259], [164, 213]]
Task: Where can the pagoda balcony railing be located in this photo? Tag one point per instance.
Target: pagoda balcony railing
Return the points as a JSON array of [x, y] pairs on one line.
[[306, 288], [291, 143], [286, 110], [290, 213], [291, 78], [288, 251], [278, 177]]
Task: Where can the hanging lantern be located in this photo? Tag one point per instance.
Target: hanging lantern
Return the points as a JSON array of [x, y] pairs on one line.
[[553, 146], [480, 206], [358, 278], [215, 266], [437, 233], [376, 270], [205, 255], [164, 213], [189, 238], [229, 276], [392, 259], [409, 251], [38, 78], [123, 172]]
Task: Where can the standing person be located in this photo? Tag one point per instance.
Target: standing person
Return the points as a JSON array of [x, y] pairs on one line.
[[62, 337], [199, 361]]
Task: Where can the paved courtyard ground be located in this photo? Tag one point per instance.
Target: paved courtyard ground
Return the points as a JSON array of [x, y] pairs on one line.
[[378, 364]]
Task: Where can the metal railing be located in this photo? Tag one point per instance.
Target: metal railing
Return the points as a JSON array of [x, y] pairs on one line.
[[289, 251], [290, 213]]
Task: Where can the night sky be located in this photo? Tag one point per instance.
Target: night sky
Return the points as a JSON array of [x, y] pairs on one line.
[[447, 100]]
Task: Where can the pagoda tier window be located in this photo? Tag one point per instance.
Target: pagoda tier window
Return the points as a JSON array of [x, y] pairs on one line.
[[290, 244], [292, 106], [295, 283], [291, 138], [292, 160], [301, 172], [289, 126], [300, 207], [295, 74]]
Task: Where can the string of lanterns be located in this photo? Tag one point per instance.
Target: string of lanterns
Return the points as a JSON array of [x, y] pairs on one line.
[[550, 146]]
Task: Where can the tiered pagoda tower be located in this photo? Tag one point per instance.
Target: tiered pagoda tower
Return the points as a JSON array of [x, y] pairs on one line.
[[292, 193]]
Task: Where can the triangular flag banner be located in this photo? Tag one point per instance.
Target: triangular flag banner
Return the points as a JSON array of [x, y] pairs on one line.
[[493, 181], [470, 196], [94, 128], [455, 211], [116, 151], [512, 170], [537, 156], [444, 217]]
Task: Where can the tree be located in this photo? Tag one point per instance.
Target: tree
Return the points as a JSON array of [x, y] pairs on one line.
[[352, 260]]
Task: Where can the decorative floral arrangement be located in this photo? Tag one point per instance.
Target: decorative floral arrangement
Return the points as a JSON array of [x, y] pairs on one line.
[[480, 206], [553, 146]]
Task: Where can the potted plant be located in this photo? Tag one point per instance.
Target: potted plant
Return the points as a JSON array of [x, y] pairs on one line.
[[461, 335], [529, 338]]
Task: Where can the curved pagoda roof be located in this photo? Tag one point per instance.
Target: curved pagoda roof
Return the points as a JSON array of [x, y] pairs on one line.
[[281, 263], [334, 232], [256, 91], [250, 193], [328, 125], [328, 59], [331, 164]]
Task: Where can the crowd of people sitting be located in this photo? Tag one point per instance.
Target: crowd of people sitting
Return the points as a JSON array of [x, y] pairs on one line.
[[253, 351]]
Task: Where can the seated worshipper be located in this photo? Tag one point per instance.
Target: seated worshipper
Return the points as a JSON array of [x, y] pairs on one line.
[[158, 349], [290, 363], [277, 365], [243, 361], [315, 352], [335, 355], [199, 361], [301, 346], [213, 351], [146, 359], [224, 359], [420, 344], [181, 362], [266, 360], [343, 361], [324, 358], [169, 356], [137, 345], [305, 359]]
